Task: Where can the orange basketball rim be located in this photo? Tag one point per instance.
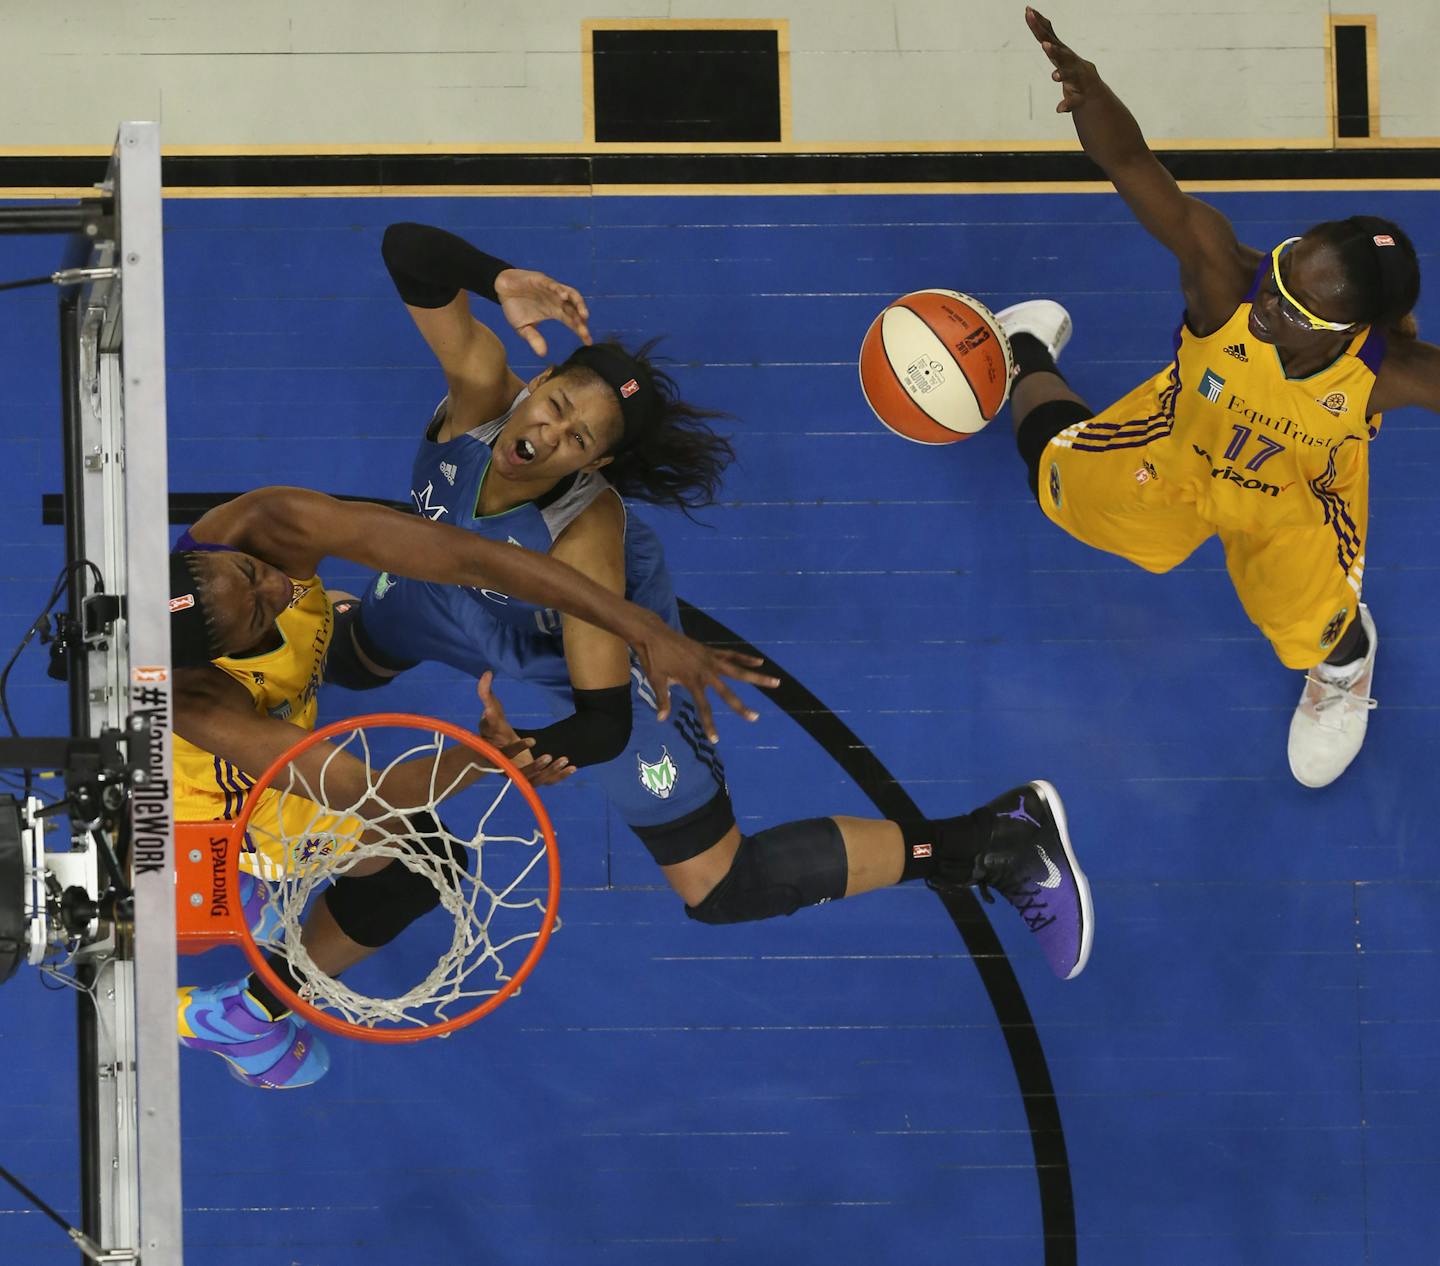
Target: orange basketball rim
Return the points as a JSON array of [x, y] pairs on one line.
[[209, 911]]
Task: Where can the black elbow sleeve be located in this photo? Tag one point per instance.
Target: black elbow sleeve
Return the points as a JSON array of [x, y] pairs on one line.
[[597, 731], [430, 266]]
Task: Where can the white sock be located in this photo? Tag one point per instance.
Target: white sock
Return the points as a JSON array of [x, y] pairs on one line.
[[1339, 674]]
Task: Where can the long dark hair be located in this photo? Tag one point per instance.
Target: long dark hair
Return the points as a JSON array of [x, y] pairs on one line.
[[677, 460], [1381, 269]]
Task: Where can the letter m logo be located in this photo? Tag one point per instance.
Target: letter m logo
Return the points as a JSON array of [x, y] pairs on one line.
[[658, 779]]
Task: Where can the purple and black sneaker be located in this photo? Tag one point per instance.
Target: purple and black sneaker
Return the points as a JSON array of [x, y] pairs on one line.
[[1029, 861]]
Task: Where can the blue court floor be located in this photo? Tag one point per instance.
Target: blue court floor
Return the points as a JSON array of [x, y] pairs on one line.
[[1246, 1073]]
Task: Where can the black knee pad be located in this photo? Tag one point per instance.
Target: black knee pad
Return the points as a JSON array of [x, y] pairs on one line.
[[1041, 425], [777, 872], [372, 910], [343, 665]]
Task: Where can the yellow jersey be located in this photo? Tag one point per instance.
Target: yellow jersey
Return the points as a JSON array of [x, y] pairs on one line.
[[1250, 448], [283, 683], [1223, 442]]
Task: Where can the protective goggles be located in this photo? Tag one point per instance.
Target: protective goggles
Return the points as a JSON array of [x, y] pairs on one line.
[[1291, 308]]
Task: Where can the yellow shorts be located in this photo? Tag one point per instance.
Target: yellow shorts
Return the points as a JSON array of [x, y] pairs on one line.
[[1289, 579], [287, 829]]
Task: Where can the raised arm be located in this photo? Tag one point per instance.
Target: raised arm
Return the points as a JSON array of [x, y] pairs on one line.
[[1215, 268], [294, 528], [435, 272]]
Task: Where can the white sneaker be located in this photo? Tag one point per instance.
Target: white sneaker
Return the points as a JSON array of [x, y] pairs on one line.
[[1043, 319], [1329, 724]]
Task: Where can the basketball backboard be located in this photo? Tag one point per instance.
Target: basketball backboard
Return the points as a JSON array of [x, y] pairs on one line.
[[99, 908]]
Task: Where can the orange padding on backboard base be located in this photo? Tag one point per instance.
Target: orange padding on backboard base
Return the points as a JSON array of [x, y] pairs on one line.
[[207, 903]]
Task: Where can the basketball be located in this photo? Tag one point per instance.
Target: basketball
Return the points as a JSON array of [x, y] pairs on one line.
[[935, 366]]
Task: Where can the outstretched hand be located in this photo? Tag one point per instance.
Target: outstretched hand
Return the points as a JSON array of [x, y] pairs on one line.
[[527, 298], [542, 771], [1075, 76], [670, 659]]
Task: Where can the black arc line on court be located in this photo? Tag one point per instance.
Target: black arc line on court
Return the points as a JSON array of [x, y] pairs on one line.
[[840, 742], [1037, 1091]]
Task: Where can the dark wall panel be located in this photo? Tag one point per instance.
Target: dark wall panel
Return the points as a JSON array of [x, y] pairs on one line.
[[695, 85]]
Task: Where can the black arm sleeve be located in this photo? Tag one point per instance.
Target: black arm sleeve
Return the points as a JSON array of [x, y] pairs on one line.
[[598, 731], [430, 266]]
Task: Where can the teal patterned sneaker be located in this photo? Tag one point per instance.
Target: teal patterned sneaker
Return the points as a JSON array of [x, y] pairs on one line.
[[226, 1020]]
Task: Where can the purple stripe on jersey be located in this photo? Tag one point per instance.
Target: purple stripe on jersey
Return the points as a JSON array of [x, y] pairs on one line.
[[233, 782], [1260, 274], [188, 544], [1105, 436], [1120, 430], [1372, 350], [222, 785], [1091, 442], [1337, 515], [1144, 442]]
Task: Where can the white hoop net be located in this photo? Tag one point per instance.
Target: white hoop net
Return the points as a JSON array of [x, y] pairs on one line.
[[301, 837]]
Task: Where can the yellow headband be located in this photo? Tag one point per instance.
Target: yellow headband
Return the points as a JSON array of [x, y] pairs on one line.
[[1316, 323]]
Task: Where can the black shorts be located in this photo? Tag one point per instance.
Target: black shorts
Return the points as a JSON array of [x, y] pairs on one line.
[[687, 837], [1041, 425]]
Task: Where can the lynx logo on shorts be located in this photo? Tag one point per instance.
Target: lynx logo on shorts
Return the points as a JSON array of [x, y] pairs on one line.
[[660, 778], [1055, 484], [1334, 403], [1332, 632], [383, 584], [1211, 385]]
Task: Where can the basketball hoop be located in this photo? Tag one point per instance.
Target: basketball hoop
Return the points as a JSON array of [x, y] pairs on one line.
[[293, 837]]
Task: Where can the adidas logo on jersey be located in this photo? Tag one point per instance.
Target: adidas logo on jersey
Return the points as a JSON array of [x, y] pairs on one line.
[[449, 470], [1237, 350]]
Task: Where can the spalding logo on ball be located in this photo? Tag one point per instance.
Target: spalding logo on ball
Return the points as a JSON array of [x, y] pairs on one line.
[[935, 366]]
